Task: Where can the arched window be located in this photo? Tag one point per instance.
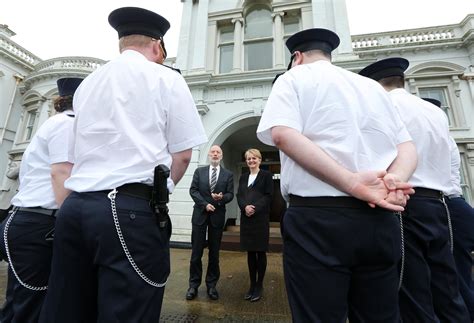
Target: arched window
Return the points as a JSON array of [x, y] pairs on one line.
[[258, 40], [441, 81]]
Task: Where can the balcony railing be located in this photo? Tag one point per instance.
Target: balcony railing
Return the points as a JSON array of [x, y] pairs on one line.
[[19, 52], [406, 37], [87, 64]]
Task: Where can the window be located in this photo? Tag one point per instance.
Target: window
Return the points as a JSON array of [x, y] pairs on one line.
[[440, 94], [226, 49], [30, 124], [291, 25], [258, 41]]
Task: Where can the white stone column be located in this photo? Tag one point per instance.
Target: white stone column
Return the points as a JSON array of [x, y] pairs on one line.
[[306, 18], [198, 52], [211, 46], [182, 57], [278, 39], [238, 45], [324, 16]]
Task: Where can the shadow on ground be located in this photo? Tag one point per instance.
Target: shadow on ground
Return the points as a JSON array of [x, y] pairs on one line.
[[234, 282]]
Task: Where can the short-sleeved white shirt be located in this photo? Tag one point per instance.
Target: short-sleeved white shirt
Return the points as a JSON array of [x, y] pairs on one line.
[[455, 182], [50, 145], [428, 126], [349, 116], [131, 115]]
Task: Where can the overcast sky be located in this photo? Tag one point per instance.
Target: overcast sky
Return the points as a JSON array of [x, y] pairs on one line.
[[54, 28]]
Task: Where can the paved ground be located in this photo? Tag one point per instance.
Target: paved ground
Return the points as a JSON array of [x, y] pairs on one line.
[[231, 307]]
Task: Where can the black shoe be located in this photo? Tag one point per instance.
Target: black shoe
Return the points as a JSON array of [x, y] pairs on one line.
[[257, 294], [213, 294], [191, 293], [248, 295]]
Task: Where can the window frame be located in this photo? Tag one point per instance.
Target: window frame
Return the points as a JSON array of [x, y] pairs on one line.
[[448, 110], [29, 112], [224, 28], [246, 41]]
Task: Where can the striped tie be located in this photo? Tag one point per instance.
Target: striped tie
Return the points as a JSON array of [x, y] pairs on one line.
[[213, 178]]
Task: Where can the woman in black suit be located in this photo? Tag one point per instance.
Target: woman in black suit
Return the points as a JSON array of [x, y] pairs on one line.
[[254, 197]]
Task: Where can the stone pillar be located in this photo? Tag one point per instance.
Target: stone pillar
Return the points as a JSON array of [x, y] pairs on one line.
[[211, 46], [198, 51], [306, 18], [278, 39], [325, 13], [183, 55], [238, 45]]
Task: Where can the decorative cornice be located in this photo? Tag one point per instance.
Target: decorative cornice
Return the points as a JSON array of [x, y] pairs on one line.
[[202, 109]]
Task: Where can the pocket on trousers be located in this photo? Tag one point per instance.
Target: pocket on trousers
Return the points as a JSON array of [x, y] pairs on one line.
[[148, 245], [388, 239]]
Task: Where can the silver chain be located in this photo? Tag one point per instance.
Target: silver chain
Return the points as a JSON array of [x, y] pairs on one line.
[[450, 227], [111, 196], [402, 235], [10, 262]]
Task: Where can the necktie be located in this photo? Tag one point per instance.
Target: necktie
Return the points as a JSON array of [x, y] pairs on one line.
[[213, 179]]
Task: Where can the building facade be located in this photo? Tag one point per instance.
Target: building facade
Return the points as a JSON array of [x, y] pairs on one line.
[[229, 52]]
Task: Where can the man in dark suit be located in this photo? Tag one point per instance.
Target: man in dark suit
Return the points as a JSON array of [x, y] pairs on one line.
[[211, 189]]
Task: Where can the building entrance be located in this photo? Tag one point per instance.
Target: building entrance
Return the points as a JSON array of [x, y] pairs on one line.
[[234, 147]]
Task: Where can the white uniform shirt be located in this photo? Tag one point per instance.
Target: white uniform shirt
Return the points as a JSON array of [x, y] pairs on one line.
[[349, 116], [455, 182], [50, 145], [131, 115], [428, 126]]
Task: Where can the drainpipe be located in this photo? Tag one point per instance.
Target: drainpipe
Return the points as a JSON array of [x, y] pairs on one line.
[[18, 79]]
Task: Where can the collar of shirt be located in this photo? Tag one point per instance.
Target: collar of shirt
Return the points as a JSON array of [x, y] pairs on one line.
[[131, 52]]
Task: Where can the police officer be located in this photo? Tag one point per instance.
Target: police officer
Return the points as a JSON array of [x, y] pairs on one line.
[[429, 292], [338, 135], [26, 242], [111, 252], [462, 218]]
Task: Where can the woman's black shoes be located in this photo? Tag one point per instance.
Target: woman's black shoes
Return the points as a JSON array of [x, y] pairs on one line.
[[249, 294], [257, 294]]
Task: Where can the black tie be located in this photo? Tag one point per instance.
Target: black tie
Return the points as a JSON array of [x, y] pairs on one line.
[[213, 178]]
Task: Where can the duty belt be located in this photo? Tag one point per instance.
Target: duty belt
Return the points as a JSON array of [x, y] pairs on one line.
[[327, 201], [138, 190], [39, 210], [427, 192]]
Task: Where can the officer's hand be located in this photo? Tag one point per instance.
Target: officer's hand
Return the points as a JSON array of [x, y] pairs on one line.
[[399, 192], [393, 182], [210, 208], [370, 187]]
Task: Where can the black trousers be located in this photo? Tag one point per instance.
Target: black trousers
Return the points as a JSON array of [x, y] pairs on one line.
[[430, 291], [198, 242], [462, 218], [341, 262], [31, 257], [91, 278]]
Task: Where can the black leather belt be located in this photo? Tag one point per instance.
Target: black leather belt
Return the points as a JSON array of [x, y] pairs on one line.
[[39, 210], [427, 192], [138, 190], [326, 201]]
